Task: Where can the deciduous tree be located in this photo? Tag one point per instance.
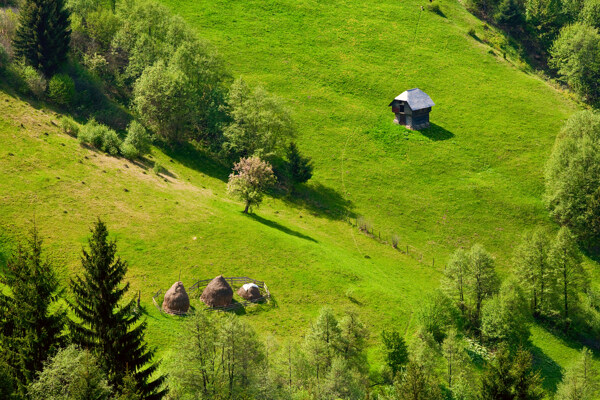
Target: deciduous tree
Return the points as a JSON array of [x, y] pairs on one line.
[[571, 278], [576, 56], [260, 124], [72, 374], [250, 178], [573, 177], [580, 381]]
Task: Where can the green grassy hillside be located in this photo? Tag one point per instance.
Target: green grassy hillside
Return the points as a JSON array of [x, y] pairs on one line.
[[476, 176]]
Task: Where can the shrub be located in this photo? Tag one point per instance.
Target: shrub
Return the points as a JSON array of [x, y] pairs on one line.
[[69, 126], [33, 81], [61, 89], [100, 136], [471, 32], [129, 151], [395, 241], [158, 168], [435, 8], [92, 133], [111, 142], [137, 142]]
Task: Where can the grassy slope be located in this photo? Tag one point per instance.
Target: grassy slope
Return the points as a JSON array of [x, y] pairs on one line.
[[475, 177], [307, 261]]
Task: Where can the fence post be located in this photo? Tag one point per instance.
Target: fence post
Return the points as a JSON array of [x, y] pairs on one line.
[[406, 249]]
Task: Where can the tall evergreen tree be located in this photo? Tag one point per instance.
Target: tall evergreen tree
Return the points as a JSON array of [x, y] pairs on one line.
[[510, 377], [31, 324], [299, 167], [111, 330], [43, 36], [396, 352]]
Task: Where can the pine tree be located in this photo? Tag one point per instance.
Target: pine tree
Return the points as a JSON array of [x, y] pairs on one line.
[[43, 36], [31, 324], [527, 383], [497, 381], [299, 168], [111, 330], [396, 352]]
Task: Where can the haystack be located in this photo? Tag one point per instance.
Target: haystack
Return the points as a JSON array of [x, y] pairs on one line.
[[176, 300], [217, 293], [249, 291]]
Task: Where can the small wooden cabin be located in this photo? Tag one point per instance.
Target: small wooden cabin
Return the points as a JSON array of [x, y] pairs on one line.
[[412, 109]]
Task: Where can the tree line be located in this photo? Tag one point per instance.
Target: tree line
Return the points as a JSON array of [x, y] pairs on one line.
[[88, 342]]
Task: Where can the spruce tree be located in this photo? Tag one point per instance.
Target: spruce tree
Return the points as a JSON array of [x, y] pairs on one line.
[[299, 168], [109, 328], [43, 36], [31, 324]]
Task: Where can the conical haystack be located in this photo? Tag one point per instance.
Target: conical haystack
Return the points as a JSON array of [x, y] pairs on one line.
[[176, 300], [249, 291], [217, 293]]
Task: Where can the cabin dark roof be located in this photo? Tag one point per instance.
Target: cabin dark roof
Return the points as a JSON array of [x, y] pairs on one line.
[[416, 99]]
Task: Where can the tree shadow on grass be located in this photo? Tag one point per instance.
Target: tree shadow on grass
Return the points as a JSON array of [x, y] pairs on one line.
[[197, 159], [550, 371], [278, 226], [437, 133], [321, 201]]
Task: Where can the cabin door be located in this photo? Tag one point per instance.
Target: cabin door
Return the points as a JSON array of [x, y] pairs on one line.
[[402, 119]]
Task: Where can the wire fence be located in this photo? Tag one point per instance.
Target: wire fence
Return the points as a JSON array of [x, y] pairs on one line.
[[393, 240]]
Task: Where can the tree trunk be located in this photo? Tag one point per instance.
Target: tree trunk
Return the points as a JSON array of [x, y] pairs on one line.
[[247, 207]]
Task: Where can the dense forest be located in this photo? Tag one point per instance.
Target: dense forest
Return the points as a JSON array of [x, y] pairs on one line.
[[131, 75]]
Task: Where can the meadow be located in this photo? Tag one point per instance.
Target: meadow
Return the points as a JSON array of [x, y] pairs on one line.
[[475, 177]]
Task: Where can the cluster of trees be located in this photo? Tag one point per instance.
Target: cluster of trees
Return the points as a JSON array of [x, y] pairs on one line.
[[563, 33], [99, 351], [573, 178], [174, 83], [106, 353]]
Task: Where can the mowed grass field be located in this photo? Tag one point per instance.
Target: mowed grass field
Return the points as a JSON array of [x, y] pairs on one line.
[[475, 176]]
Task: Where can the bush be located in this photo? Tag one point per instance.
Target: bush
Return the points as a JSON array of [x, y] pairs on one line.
[[69, 126], [92, 133], [61, 89], [100, 136], [435, 8], [129, 151], [33, 81], [137, 142], [111, 142], [158, 168]]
